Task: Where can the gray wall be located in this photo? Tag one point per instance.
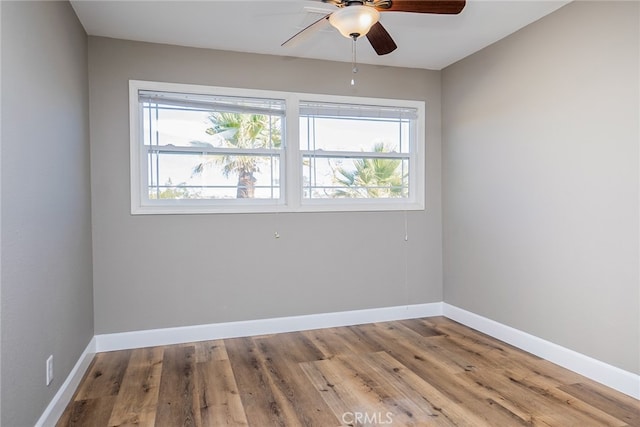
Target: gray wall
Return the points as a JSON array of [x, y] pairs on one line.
[[175, 270], [540, 181], [47, 305]]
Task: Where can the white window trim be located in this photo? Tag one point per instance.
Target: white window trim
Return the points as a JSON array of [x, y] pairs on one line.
[[290, 160]]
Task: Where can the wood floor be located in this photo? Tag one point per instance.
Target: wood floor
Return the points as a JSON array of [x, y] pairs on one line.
[[423, 372]]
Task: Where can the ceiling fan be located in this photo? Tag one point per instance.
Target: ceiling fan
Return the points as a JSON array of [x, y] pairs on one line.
[[357, 18]]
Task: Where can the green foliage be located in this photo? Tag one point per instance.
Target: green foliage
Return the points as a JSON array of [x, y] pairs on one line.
[[242, 131], [371, 178]]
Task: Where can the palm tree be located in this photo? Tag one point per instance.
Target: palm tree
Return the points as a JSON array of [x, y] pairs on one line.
[[242, 131], [371, 178]]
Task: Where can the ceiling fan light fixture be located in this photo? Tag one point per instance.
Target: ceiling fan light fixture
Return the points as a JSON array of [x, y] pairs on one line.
[[354, 21]]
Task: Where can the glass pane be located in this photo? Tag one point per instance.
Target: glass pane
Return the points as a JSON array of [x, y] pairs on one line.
[[353, 134], [369, 178], [192, 176], [182, 126]]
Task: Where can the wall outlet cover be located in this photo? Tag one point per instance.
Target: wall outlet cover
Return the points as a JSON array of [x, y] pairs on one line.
[[49, 368]]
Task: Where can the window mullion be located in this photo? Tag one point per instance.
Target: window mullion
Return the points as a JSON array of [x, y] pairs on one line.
[[354, 154], [171, 149], [293, 160]]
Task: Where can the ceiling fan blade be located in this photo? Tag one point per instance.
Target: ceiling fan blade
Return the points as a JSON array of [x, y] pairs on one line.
[[444, 7], [306, 32], [380, 39]]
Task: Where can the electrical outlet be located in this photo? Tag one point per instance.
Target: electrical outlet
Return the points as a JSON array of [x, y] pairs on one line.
[[49, 369]]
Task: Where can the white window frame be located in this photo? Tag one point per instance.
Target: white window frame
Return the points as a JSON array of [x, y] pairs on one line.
[[291, 199]]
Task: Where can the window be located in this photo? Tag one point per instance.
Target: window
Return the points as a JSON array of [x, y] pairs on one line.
[[197, 149], [355, 151]]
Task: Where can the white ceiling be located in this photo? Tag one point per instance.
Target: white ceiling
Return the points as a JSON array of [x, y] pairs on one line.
[[260, 26]]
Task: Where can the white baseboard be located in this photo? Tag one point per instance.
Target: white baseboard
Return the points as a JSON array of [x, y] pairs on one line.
[[611, 376], [56, 407], [168, 336]]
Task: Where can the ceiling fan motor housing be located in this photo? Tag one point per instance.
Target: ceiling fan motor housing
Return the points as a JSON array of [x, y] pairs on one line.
[[354, 21], [381, 4]]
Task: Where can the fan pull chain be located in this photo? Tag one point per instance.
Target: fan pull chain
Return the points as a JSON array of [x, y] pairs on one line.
[[354, 68]]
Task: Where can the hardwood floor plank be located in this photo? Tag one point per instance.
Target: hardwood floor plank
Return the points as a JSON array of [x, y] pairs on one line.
[[553, 392], [437, 348], [341, 394], [89, 412], [402, 404], [443, 410], [429, 348], [441, 377], [473, 338], [469, 358], [282, 355], [367, 337], [176, 402], [219, 401], [328, 341], [208, 351], [421, 327], [296, 346], [138, 396], [487, 352], [534, 403], [104, 376], [336, 341], [256, 394], [622, 407]]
